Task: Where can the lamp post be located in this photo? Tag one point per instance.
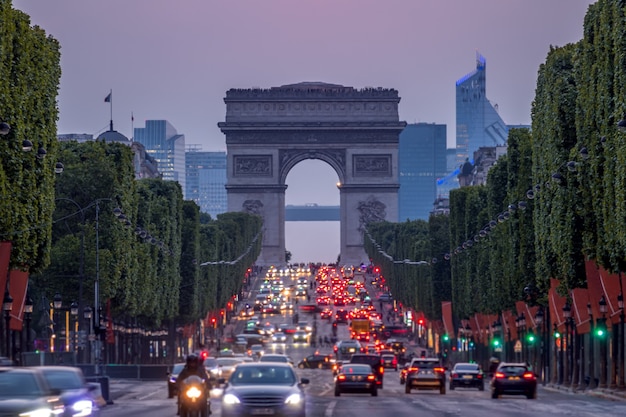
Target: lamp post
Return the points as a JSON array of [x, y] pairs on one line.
[[28, 314], [539, 316], [74, 323], [620, 303], [522, 328], [565, 345], [603, 344], [57, 303], [591, 358], [7, 306], [88, 315]]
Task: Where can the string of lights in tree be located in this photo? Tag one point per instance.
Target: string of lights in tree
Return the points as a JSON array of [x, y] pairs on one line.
[[142, 233], [502, 217], [239, 258]]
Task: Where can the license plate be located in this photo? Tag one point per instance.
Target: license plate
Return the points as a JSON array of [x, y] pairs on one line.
[[467, 377], [262, 411], [514, 378]]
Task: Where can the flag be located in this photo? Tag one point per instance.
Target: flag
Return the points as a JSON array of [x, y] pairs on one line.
[[107, 99], [132, 117]]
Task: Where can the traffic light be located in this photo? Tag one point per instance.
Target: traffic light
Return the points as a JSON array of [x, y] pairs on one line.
[[600, 331], [446, 337], [495, 342], [421, 322], [557, 335], [530, 338]]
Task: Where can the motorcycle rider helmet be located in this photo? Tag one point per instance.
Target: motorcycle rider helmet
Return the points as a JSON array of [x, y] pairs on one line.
[[192, 361]]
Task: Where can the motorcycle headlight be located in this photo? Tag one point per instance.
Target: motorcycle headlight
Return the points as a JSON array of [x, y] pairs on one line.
[[230, 399], [193, 392], [82, 408], [294, 399]]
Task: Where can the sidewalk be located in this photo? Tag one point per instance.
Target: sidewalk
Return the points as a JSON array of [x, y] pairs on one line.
[[606, 393]]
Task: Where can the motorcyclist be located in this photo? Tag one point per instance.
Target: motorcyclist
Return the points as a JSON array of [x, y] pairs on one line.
[[193, 366]]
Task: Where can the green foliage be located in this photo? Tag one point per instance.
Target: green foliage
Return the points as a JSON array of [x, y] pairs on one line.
[[30, 73]]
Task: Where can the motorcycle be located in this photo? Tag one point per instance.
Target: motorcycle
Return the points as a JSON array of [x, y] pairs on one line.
[[192, 398]]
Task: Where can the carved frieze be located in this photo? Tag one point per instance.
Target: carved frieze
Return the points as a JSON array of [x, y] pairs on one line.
[[370, 211], [253, 207], [252, 165], [371, 165]]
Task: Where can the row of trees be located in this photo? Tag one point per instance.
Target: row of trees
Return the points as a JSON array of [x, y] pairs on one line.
[[556, 199], [143, 243]]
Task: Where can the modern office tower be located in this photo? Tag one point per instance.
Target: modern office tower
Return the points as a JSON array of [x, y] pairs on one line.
[[206, 180], [421, 162], [166, 146], [478, 123]]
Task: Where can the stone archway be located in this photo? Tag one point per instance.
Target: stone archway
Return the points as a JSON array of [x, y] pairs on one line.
[[269, 131]]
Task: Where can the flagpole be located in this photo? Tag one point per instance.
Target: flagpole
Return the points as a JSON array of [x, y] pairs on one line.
[[132, 126], [111, 107]]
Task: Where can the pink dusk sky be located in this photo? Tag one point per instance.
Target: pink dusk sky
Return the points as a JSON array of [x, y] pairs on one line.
[[175, 59]]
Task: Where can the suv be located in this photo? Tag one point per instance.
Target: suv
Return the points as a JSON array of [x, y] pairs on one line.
[[425, 373], [375, 362]]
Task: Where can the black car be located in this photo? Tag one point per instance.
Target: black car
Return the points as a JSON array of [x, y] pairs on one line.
[[317, 361], [171, 379], [372, 360], [76, 394], [269, 388], [356, 378], [25, 392], [425, 373], [468, 375], [514, 379]]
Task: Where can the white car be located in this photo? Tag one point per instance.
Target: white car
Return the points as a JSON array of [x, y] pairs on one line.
[[279, 337]]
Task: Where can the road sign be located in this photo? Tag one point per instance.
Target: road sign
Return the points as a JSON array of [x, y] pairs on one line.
[[518, 347]]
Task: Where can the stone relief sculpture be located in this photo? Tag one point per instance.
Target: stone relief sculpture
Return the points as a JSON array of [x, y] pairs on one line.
[[368, 165], [258, 165], [370, 211], [253, 207]]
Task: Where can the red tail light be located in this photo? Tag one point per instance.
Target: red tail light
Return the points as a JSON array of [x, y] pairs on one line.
[[455, 375], [528, 375], [395, 361], [480, 376], [440, 370], [371, 377], [499, 375], [341, 377], [413, 369], [381, 370]]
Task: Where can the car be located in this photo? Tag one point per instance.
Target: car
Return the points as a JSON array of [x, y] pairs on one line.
[[372, 360], [336, 367], [326, 314], [404, 371], [172, 376], [356, 378], [256, 351], [25, 392], [276, 357], [264, 388], [425, 373], [344, 349], [389, 361], [468, 375], [317, 360], [514, 379], [77, 394], [227, 366], [279, 337], [300, 336], [212, 367]]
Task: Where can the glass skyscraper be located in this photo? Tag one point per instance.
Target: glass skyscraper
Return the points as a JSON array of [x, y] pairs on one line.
[[478, 123], [166, 146], [206, 180], [421, 162]]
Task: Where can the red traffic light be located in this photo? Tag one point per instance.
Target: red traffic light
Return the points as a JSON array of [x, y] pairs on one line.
[[420, 322], [204, 354]]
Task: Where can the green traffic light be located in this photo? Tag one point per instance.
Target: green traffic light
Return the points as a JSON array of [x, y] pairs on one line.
[[557, 335], [531, 338], [600, 332], [496, 342], [445, 338]]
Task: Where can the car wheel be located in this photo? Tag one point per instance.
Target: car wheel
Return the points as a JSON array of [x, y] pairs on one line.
[[301, 366], [495, 394], [451, 387], [375, 393], [532, 395], [337, 392], [170, 394], [407, 388], [481, 387], [402, 381], [442, 389]]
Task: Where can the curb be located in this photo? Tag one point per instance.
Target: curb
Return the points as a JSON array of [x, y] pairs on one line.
[[606, 393]]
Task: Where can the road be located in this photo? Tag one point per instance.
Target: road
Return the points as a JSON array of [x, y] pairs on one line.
[[150, 398]]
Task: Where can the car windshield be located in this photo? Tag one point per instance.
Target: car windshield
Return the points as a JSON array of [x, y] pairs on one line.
[[19, 384], [513, 370], [263, 375], [63, 380], [461, 368], [273, 358], [210, 362], [228, 361]]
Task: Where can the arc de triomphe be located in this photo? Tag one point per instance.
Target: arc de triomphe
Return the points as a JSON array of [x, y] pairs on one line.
[[269, 131]]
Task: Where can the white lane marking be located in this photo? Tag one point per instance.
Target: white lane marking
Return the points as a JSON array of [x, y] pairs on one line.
[[330, 408]]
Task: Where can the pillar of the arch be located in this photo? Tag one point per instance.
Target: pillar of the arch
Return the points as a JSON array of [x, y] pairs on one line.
[[269, 203], [360, 204]]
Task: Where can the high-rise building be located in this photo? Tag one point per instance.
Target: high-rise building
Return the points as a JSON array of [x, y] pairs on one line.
[[421, 162], [166, 146], [478, 123], [206, 180]]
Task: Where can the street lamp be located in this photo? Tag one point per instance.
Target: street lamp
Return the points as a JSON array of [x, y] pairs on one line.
[[28, 313], [88, 315], [565, 348], [74, 323], [603, 358], [592, 331], [620, 304], [539, 316], [57, 303], [7, 306]]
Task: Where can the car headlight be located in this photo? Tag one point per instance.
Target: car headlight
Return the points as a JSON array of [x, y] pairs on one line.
[[294, 399], [82, 408], [230, 399]]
